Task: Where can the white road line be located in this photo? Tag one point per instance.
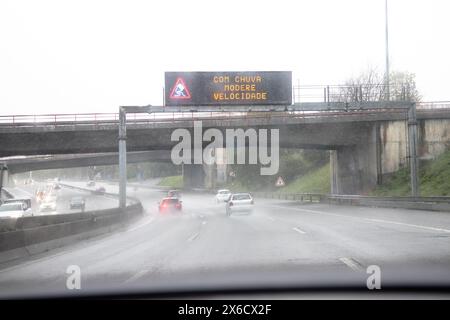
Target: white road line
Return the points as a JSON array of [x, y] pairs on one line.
[[409, 225], [142, 225], [203, 222], [194, 236], [136, 276], [351, 263], [298, 230], [367, 219]]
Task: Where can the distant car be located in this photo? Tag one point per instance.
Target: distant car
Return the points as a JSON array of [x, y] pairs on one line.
[[77, 203], [26, 202], [57, 186], [170, 204], [223, 195], [174, 194], [239, 202], [48, 205], [100, 190], [14, 210], [40, 195], [91, 183]]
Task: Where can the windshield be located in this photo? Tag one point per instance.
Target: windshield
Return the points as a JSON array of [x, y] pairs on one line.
[[11, 207], [202, 140], [171, 201], [241, 197]]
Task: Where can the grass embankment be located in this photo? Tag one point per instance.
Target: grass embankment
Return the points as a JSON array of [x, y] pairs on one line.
[[434, 179], [317, 181], [174, 182]]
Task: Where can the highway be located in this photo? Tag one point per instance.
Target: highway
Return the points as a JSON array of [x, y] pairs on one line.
[[202, 238], [63, 197]]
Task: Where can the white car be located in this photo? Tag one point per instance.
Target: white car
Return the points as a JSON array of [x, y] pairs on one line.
[[48, 205], [14, 210], [223, 195], [240, 202]]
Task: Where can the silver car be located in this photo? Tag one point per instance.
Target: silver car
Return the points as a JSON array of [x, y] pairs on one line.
[[14, 210], [223, 195], [240, 202]]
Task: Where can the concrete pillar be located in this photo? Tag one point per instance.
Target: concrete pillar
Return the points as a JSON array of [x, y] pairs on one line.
[[346, 175], [355, 169], [379, 147], [333, 172], [4, 180], [193, 176]]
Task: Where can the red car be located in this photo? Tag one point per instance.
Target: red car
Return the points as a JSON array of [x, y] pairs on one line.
[[100, 190], [170, 204]]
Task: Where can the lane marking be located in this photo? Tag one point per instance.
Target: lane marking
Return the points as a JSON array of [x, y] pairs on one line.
[[203, 222], [352, 264], [409, 225], [141, 225], [298, 230], [367, 219], [194, 236], [136, 276]]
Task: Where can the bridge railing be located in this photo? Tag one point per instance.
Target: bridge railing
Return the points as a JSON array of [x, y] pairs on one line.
[[101, 118], [435, 105], [350, 93]]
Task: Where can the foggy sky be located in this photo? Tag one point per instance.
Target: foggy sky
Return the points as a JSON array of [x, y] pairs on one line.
[[92, 56]]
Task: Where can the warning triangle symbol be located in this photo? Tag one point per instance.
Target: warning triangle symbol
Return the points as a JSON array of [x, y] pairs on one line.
[[280, 182], [180, 90]]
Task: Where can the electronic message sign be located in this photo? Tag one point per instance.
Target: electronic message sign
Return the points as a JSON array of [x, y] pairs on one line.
[[228, 88]]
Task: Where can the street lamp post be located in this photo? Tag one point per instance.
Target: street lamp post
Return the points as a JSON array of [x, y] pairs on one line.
[[122, 158], [123, 149], [387, 84]]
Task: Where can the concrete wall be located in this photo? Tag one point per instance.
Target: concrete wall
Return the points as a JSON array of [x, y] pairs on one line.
[[433, 140], [357, 169], [434, 137]]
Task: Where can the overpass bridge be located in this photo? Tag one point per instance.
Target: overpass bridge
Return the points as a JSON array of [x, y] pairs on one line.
[[367, 139], [33, 163]]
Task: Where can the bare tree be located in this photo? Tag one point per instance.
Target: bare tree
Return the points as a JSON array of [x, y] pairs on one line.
[[370, 86]]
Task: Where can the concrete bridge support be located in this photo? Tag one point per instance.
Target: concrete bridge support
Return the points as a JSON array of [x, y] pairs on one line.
[[193, 176], [356, 169], [4, 177]]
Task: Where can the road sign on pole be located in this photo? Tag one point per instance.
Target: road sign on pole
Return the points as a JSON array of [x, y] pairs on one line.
[[280, 182]]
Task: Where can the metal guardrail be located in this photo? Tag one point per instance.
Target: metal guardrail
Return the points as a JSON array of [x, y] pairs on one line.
[[303, 197], [441, 199], [441, 203]]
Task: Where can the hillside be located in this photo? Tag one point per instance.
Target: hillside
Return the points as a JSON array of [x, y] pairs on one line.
[[434, 179]]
